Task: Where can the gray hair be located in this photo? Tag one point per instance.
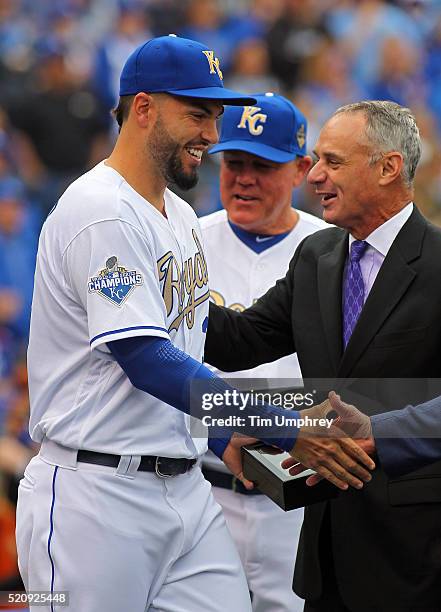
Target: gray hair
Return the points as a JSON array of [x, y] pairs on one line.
[[390, 127]]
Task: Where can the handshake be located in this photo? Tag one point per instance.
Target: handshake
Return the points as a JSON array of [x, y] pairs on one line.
[[339, 453]]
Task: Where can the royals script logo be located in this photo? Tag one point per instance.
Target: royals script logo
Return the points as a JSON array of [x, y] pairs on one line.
[[187, 287]]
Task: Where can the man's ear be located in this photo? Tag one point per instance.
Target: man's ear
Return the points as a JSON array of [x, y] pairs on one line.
[[391, 165], [302, 167], [142, 109]]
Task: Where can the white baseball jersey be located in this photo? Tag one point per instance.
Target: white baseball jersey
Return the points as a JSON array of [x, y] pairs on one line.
[[239, 276], [111, 266]]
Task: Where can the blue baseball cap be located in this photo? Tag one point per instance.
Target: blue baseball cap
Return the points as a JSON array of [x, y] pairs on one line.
[[273, 128], [180, 67]]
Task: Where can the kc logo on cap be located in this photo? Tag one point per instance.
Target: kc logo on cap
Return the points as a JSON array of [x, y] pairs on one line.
[[214, 63], [271, 128], [249, 119]]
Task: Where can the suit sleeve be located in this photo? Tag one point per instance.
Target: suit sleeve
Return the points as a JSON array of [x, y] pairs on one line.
[[408, 439], [259, 334]]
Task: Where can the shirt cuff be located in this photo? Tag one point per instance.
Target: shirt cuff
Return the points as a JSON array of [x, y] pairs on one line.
[[218, 445]]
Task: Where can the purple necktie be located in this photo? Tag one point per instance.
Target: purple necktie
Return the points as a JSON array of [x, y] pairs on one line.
[[353, 292]]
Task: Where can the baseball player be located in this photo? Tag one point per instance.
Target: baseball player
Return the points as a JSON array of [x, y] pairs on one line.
[[114, 509], [248, 246]]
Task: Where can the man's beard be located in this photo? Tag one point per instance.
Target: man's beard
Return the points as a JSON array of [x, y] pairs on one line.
[[167, 154]]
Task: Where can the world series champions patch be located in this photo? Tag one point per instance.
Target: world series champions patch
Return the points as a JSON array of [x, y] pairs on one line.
[[114, 282]]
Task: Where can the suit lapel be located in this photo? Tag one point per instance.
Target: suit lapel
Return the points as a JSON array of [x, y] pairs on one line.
[[393, 280], [329, 275]]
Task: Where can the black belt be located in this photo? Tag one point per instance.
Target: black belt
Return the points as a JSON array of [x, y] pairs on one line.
[[227, 481], [162, 466]]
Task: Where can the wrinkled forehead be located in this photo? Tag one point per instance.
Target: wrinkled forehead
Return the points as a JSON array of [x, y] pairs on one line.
[[343, 132]]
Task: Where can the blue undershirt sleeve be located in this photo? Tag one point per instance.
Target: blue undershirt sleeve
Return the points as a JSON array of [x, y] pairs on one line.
[[156, 366]]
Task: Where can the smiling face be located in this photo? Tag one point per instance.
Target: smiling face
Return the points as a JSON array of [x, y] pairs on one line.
[[183, 130], [349, 186], [256, 192]]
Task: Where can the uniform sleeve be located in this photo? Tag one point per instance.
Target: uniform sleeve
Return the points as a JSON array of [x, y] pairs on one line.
[[111, 271]]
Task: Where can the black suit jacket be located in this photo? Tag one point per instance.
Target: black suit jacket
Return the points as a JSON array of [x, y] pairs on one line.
[[387, 537]]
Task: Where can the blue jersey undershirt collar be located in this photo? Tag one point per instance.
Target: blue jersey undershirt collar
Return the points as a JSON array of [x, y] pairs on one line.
[[257, 242]]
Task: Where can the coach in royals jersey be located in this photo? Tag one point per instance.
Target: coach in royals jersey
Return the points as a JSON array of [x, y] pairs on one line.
[[248, 246]]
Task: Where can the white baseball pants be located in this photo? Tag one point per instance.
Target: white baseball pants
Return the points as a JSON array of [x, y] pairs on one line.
[[125, 542]]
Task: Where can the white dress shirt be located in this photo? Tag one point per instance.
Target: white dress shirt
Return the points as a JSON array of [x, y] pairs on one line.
[[379, 243]]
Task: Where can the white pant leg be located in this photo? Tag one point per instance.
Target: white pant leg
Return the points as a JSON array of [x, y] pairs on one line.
[[205, 578], [94, 536], [267, 539], [118, 544], [208, 575], [24, 524]]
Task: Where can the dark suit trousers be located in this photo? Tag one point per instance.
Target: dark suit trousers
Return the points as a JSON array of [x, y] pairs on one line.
[[330, 600]]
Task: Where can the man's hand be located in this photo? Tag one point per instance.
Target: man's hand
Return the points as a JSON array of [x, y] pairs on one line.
[[233, 459], [341, 460], [350, 420], [367, 445], [330, 451]]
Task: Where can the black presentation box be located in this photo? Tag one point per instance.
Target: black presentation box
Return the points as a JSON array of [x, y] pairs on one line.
[[261, 464]]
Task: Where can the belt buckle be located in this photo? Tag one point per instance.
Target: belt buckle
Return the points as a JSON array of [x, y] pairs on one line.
[[158, 471]]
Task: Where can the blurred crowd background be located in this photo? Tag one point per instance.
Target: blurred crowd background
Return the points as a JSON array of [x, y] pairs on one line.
[[59, 67]]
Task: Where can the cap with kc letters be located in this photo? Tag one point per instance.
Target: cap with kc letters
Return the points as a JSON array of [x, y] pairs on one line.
[[273, 129], [180, 67]]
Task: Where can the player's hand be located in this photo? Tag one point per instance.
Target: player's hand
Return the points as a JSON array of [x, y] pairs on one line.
[[233, 459], [296, 468], [341, 460]]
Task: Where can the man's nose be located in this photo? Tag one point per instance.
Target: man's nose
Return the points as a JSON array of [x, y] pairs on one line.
[[246, 177], [210, 133], [316, 174]]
